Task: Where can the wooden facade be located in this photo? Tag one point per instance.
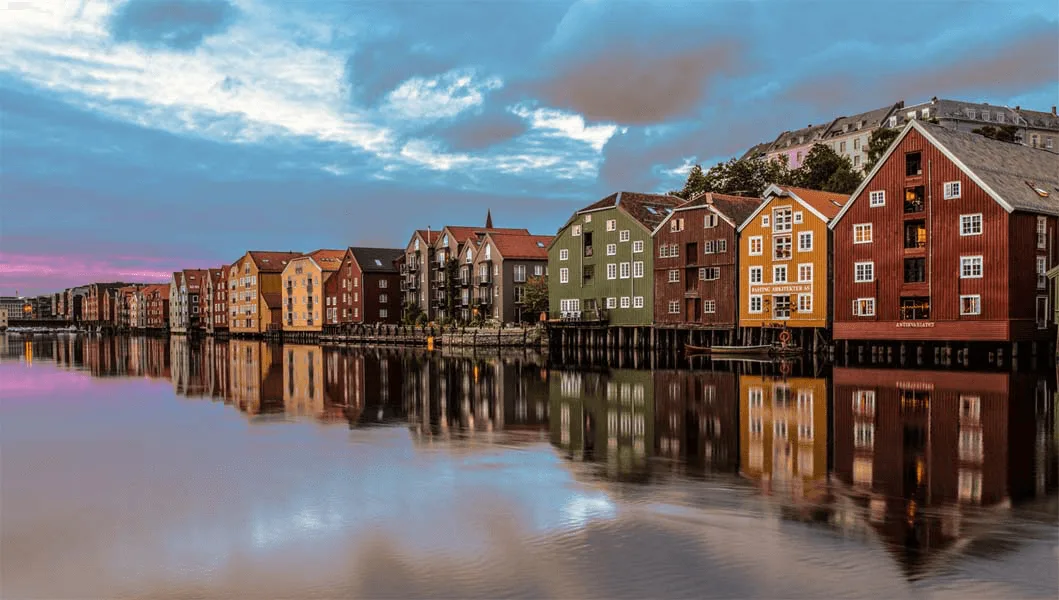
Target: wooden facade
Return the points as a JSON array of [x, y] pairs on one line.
[[699, 240], [255, 291], [785, 259], [304, 280], [918, 218]]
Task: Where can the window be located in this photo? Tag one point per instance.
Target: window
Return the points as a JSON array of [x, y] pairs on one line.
[[863, 272], [674, 307], [676, 225], [564, 275], [805, 272], [764, 220], [637, 269], [755, 303], [708, 248], [756, 245], [663, 251], [575, 231], [721, 246], [781, 247], [384, 283], [781, 307], [779, 274], [637, 246], [1049, 142], [915, 270], [877, 198], [612, 271], [588, 272], [781, 219], [625, 302], [805, 241], [856, 160], [612, 303], [755, 274], [798, 217], [623, 236], [1042, 272], [914, 199], [674, 276], [564, 254], [624, 271], [710, 220], [971, 305], [951, 190], [971, 224], [709, 306], [985, 115], [1042, 233], [1000, 117], [674, 250], [588, 218], [612, 224], [1042, 312], [862, 233], [383, 298], [915, 308], [805, 303], [842, 146], [970, 267], [520, 274], [710, 273], [915, 234], [913, 164], [891, 122], [538, 270], [612, 249]]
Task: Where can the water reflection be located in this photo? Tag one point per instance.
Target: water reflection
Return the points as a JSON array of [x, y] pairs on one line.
[[932, 463]]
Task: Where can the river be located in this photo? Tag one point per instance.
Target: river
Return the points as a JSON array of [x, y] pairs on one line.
[[147, 467]]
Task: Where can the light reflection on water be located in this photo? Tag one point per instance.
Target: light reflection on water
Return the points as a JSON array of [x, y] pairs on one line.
[[320, 472]]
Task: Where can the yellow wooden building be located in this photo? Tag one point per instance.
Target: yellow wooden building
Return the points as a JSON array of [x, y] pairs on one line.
[[255, 292], [784, 259], [303, 289]]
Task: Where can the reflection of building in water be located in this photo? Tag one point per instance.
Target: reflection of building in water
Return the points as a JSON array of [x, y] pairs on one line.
[[604, 416], [189, 366], [918, 446], [216, 360], [256, 376], [365, 384], [783, 441], [697, 418], [304, 392]]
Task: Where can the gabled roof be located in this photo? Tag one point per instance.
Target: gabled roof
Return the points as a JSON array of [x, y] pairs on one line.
[[376, 260], [327, 259], [1038, 119], [462, 234], [519, 246], [799, 137], [1010, 173], [734, 208], [161, 288], [859, 122], [194, 278], [825, 205], [271, 262], [647, 209], [758, 150], [428, 235]]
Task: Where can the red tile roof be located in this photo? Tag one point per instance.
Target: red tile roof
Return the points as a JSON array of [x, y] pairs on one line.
[[518, 246], [462, 233], [826, 203], [194, 278], [429, 235], [328, 259], [272, 262]]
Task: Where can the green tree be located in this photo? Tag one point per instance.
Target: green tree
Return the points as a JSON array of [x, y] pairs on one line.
[[535, 297], [878, 144], [1003, 133], [747, 177], [826, 170], [696, 183]]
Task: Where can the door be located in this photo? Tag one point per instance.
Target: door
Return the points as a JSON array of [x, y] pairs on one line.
[[1042, 312]]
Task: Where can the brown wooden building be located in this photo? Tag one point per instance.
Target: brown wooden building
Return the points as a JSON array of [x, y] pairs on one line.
[[100, 305], [156, 298], [704, 231], [216, 296], [949, 239], [366, 288]]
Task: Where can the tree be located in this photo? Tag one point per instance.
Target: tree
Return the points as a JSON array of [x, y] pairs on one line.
[[1003, 133], [878, 144], [696, 183], [747, 177], [826, 170], [535, 296]]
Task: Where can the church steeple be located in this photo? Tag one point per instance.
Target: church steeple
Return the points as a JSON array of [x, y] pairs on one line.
[[488, 219]]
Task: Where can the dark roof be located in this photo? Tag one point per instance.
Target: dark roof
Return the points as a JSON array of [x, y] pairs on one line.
[[1011, 171], [758, 150], [865, 120], [799, 137], [1038, 119], [272, 262], [648, 209], [376, 260], [736, 208], [273, 299]]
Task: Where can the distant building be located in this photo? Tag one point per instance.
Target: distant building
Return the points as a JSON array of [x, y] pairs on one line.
[[3, 319], [185, 289], [795, 145], [216, 312], [849, 136]]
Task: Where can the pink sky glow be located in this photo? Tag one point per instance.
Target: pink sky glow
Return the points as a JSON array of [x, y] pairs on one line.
[[33, 274]]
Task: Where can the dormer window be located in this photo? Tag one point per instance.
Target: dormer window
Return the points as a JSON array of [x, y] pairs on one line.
[[892, 122]]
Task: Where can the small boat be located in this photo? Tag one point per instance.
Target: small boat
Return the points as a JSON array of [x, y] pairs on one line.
[[760, 350]]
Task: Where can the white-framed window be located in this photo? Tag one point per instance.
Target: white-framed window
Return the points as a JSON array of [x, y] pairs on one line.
[[624, 270], [862, 233], [538, 270], [564, 275], [710, 220], [612, 249], [612, 224], [519, 274], [1042, 233], [708, 247], [779, 273], [805, 241], [951, 190], [663, 251], [637, 269], [676, 225], [764, 220], [781, 219], [637, 246], [799, 216], [612, 270], [755, 274], [625, 302], [1042, 272], [781, 247], [971, 224], [805, 272], [588, 218], [755, 303], [805, 303], [674, 276], [709, 306], [864, 307], [721, 246], [863, 272], [612, 303], [756, 245], [624, 236], [709, 273], [674, 250], [674, 307], [877, 198], [971, 305], [970, 267], [637, 301], [781, 306], [575, 231]]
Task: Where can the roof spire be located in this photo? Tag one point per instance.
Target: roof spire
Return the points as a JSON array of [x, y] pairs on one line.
[[488, 219]]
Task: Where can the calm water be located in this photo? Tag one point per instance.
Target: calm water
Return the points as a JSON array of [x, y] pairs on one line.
[[139, 467]]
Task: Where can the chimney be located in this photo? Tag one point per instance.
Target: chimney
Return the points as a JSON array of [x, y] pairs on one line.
[[1053, 112], [1017, 107]]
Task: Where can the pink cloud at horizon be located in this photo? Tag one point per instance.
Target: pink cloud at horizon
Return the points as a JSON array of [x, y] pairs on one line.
[[32, 274]]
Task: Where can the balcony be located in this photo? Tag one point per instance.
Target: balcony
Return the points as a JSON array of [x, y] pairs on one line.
[[412, 267], [915, 200], [404, 269], [483, 278], [465, 301], [588, 251], [915, 234]]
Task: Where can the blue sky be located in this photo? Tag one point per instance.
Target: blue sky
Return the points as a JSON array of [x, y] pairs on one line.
[[143, 136]]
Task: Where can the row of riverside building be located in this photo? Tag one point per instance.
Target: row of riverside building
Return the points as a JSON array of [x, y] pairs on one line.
[[950, 238]]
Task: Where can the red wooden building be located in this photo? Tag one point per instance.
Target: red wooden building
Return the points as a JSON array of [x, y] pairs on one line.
[[948, 239], [366, 288], [703, 229]]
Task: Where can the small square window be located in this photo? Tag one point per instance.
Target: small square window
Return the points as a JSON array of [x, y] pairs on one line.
[[952, 190], [877, 198]]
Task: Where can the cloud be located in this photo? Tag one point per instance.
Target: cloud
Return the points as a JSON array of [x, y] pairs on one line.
[[440, 97], [481, 130], [172, 24], [572, 126], [377, 67]]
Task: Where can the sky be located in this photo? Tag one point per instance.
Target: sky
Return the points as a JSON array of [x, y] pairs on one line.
[[139, 137]]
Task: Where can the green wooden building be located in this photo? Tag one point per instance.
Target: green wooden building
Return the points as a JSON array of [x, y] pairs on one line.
[[601, 263]]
